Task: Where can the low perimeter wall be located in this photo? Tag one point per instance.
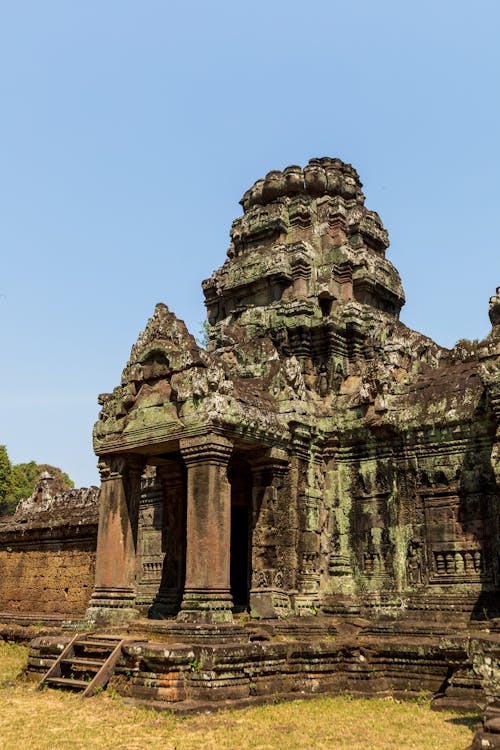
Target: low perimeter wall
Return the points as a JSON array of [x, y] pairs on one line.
[[47, 555]]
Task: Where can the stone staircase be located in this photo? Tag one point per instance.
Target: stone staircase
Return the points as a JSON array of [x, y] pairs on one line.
[[85, 665]]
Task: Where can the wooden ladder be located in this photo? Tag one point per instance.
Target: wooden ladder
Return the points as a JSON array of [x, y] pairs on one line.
[[85, 665]]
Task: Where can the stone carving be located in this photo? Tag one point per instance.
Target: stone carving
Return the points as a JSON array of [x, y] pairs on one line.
[[494, 310], [350, 461], [45, 502]]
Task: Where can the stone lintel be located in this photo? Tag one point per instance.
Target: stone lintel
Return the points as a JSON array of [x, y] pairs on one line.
[[274, 459]]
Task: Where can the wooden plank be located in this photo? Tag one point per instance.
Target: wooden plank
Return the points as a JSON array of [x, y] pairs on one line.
[[55, 669], [109, 637], [107, 669], [91, 643], [79, 661], [67, 682]]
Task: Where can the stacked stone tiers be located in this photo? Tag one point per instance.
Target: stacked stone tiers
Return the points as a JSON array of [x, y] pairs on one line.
[[195, 670], [324, 176]]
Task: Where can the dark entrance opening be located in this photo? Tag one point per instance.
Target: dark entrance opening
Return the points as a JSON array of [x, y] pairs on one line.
[[165, 570], [240, 479], [239, 555]]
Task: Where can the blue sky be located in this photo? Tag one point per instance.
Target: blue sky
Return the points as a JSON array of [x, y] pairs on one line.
[[130, 130]]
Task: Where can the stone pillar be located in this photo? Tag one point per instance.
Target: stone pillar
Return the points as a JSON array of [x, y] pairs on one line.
[[271, 533], [113, 597], [207, 593]]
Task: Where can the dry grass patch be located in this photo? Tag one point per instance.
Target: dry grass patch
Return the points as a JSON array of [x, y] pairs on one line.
[[52, 720], [13, 659]]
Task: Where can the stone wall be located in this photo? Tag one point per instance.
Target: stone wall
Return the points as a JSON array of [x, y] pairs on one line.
[[47, 553], [52, 581]]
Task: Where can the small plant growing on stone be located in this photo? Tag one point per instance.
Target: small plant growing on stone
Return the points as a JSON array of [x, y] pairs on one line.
[[243, 618], [422, 699], [202, 337]]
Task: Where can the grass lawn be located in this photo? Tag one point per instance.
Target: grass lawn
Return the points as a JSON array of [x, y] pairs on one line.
[[53, 720]]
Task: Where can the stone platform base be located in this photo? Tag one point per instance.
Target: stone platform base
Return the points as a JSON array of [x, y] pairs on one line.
[[187, 632], [42, 619], [24, 627], [488, 737], [188, 668]]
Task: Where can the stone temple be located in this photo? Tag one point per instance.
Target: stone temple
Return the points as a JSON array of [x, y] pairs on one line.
[[313, 497], [318, 456]]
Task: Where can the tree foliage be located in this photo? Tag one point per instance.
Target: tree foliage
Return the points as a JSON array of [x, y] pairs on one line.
[[5, 473], [18, 481], [23, 480], [203, 336], [61, 479]]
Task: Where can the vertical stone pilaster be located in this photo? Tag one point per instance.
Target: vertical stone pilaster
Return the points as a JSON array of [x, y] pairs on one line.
[[207, 593], [169, 595], [150, 541], [115, 579], [272, 571], [343, 276], [301, 271]]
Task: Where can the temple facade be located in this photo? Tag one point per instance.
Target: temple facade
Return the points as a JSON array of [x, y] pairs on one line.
[[317, 456]]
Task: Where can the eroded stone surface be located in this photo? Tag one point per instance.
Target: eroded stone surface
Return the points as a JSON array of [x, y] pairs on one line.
[[308, 504], [331, 655], [47, 554], [362, 457]]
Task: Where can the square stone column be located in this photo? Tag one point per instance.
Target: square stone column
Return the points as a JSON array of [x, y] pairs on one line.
[[115, 577], [207, 592], [272, 569]]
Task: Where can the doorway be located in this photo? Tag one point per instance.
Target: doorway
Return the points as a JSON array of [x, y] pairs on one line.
[[240, 479]]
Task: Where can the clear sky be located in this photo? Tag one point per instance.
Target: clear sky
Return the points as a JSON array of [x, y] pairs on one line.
[[130, 130]]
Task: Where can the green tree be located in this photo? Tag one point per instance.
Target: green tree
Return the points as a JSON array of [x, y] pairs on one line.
[[5, 473], [203, 336], [7, 503], [23, 480], [18, 482]]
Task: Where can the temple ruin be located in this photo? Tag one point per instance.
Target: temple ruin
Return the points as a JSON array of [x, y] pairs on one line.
[[318, 456], [310, 501]]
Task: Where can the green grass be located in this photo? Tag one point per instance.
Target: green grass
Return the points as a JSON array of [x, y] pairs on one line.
[[53, 720]]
